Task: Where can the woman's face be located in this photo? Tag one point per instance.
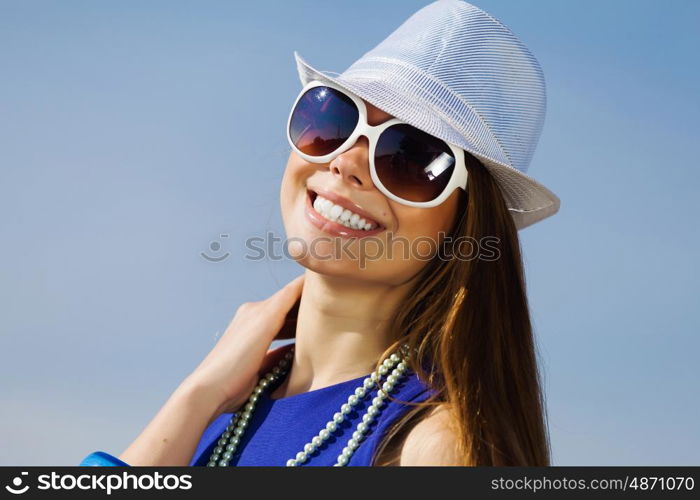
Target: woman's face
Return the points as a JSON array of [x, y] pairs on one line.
[[405, 240]]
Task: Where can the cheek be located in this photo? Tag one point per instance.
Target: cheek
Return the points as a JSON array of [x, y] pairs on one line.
[[288, 178], [424, 230], [292, 186], [424, 240]]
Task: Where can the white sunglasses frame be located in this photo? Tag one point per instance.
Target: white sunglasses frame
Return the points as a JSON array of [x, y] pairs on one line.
[[459, 173]]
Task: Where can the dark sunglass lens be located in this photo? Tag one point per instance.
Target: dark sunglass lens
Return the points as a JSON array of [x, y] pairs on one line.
[[412, 164], [322, 121]]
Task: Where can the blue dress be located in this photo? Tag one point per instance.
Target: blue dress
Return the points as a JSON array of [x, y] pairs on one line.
[[279, 428]]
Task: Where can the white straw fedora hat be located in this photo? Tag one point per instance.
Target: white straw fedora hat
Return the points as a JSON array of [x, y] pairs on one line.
[[455, 72]]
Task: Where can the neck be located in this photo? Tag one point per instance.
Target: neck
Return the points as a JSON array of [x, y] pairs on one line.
[[342, 330]]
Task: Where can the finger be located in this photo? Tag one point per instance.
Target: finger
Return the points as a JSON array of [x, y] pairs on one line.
[[286, 296], [288, 330]]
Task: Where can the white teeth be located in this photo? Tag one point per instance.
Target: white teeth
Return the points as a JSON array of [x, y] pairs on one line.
[[335, 211], [341, 215]]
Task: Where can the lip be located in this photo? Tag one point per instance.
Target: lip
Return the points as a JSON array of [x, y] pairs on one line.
[[334, 228], [345, 203]]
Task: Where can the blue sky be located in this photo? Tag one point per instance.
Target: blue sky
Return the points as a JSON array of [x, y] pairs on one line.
[[133, 134]]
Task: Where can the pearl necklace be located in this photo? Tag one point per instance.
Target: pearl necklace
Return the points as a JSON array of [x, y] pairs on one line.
[[231, 437]]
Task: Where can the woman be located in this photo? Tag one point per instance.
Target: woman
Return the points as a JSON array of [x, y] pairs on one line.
[[402, 197]]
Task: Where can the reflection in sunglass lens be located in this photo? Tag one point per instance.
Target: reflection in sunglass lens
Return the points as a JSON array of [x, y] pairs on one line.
[[412, 164], [322, 121]]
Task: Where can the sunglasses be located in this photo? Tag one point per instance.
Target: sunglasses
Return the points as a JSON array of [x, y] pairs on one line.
[[406, 164]]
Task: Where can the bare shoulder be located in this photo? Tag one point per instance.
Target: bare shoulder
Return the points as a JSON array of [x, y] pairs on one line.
[[432, 441]]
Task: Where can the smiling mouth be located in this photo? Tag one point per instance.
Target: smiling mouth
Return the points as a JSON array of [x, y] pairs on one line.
[[341, 215]]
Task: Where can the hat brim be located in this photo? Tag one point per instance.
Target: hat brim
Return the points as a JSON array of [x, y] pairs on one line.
[[527, 200]]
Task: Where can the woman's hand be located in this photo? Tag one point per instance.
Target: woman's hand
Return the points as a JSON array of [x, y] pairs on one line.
[[231, 370], [221, 383]]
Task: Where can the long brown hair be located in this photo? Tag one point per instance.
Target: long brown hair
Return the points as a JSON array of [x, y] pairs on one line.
[[468, 322]]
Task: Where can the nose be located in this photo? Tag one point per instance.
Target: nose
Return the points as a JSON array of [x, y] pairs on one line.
[[352, 166]]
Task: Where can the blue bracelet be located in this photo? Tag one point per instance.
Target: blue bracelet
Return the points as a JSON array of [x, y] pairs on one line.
[[102, 459]]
